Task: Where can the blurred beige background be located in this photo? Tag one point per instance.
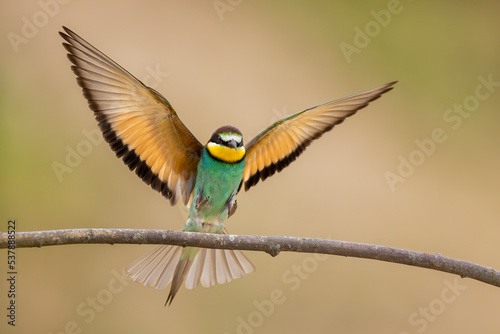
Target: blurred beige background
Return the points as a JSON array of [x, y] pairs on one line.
[[249, 63]]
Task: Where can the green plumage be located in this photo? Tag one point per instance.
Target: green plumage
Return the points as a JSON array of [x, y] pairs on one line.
[[216, 185]]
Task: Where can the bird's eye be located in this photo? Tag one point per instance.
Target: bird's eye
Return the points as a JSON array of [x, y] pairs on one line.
[[219, 139]]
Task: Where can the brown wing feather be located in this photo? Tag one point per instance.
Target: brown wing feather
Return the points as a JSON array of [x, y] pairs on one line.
[[281, 143], [139, 124]]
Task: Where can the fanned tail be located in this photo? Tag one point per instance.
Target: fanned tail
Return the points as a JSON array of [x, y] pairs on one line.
[[174, 264], [155, 269]]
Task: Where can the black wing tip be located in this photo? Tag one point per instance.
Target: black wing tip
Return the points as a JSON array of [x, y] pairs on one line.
[[63, 35], [392, 83], [382, 90], [388, 86], [68, 34]]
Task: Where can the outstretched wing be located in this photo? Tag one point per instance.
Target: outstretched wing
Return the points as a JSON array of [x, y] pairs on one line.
[[139, 124], [281, 143]]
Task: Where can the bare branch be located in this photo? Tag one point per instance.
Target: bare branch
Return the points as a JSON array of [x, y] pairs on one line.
[[271, 245]]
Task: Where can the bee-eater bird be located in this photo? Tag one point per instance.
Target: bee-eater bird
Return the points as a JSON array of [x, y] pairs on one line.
[[143, 129]]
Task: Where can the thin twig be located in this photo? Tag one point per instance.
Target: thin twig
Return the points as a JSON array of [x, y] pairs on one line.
[[271, 245]]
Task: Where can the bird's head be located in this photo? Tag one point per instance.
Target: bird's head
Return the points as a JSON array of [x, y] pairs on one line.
[[226, 144]]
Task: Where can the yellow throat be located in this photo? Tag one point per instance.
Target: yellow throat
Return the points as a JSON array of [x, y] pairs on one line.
[[226, 154]]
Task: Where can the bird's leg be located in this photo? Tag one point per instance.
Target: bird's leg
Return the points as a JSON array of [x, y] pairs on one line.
[[203, 203], [232, 208]]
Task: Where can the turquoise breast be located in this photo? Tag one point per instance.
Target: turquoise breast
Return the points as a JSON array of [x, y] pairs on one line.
[[219, 181]]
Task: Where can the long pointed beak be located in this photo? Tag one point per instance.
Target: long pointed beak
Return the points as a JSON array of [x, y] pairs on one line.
[[233, 144]]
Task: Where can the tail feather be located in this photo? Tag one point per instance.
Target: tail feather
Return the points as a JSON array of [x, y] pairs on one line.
[[238, 264], [155, 269], [208, 276], [218, 266], [244, 263], [194, 275], [222, 270], [165, 264], [181, 271]]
